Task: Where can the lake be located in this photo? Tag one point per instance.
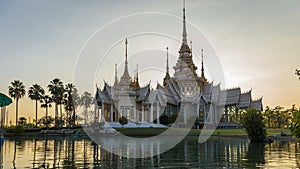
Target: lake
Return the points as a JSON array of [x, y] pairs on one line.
[[70, 152]]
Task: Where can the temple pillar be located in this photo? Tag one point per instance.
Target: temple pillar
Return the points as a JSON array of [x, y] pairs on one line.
[[134, 114], [226, 116], [102, 118], [143, 115], [184, 113], [197, 109], [151, 113], [95, 112], [111, 112], [157, 113], [237, 116], [204, 113]]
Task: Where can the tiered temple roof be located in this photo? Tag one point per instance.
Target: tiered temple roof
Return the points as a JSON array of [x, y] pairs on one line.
[[213, 94]]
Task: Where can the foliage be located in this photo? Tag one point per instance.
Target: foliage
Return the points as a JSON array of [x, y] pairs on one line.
[[85, 101], [71, 102], [46, 103], [56, 88], [297, 72], [123, 120], [163, 119], [166, 119], [172, 118], [36, 93], [295, 127], [46, 121], [277, 117], [22, 121], [19, 129], [17, 91], [252, 120]]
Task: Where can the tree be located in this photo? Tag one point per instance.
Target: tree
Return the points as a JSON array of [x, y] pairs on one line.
[[46, 121], [85, 101], [36, 93], [252, 120], [55, 88], [22, 121], [297, 72], [163, 119], [46, 103], [295, 126], [123, 120], [71, 103], [279, 116], [61, 102], [17, 91], [268, 116]]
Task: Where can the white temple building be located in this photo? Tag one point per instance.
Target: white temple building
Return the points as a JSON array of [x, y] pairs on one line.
[[141, 104]]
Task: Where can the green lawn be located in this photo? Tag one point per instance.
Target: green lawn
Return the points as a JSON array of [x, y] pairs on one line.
[[222, 132], [148, 132]]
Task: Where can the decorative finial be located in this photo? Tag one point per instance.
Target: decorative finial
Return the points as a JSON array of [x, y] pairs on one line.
[[202, 67], [184, 34], [167, 59], [167, 77], [116, 73], [126, 43], [137, 72], [125, 75]]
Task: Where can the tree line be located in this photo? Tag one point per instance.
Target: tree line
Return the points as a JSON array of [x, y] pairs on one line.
[[279, 117], [63, 96]]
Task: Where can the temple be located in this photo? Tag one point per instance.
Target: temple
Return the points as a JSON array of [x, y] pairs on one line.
[[141, 104]]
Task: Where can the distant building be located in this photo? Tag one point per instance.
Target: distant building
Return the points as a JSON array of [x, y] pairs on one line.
[[127, 98]]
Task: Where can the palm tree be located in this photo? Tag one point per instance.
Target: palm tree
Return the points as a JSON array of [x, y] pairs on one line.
[[85, 101], [55, 88], [61, 99], [71, 102], [297, 72], [46, 103], [17, 91], [36, 93]]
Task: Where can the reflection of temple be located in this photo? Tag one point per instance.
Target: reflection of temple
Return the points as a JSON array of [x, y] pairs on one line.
[[127, 98]]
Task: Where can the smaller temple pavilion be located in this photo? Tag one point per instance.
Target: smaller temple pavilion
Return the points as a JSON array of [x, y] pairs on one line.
[[125, 95]]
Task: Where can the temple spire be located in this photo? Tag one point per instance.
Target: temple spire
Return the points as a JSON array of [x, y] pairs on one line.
[[202, 67], [167, 68], [126, 43], [167, 77], [191, 44], [137, 72], [184, 34], [126, 77], [184, 45], [116, 74], [136, 83]]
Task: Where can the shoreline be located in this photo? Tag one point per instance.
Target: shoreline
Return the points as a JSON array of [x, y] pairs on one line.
[[149, 132]]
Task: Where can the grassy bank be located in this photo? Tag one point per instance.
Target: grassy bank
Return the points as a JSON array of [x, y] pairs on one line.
[[148, 132], [220, 132]]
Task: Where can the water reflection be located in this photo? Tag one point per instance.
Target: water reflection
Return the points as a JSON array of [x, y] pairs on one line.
[[72, 152]]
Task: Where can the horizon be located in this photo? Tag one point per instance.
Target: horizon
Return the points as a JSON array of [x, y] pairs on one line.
[[255, 52]]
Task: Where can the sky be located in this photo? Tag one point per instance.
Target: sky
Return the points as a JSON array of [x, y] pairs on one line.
[[254, 44]]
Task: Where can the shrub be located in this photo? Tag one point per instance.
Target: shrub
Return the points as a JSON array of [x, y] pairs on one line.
[[163, 119], [123, 120], [253, 122], [295, 127], [172, 118], [19, 129]]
